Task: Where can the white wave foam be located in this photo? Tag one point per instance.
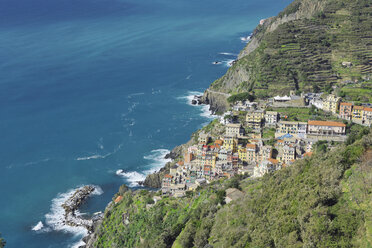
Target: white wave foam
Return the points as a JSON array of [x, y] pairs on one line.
[[78, 244], [246, 39], [91, 157], [98, 156], [136, 94], [38, 226], [204, 109], [55, 218], [37, 162], [229, 62], [97, 190], [190, 96], [229, 54], [157, 160], [133, 177], [207, 113]]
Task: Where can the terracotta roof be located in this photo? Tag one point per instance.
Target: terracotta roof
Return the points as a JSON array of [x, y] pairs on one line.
[[368, 109], [180, 163], [274, 161], [219, 142], [308, 154], [118, 199], [347, 103], [359, 107], [253, 146], [327, 123], [168, 176]]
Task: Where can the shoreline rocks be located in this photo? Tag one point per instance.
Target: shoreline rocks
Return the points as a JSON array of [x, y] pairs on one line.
[[217, 101], [72, 205], [197, 100]]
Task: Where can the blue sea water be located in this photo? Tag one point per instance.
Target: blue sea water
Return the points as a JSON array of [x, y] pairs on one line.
[[88, 87]]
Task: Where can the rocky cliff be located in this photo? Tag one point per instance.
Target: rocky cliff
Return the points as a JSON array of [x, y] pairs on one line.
[[216, 100]]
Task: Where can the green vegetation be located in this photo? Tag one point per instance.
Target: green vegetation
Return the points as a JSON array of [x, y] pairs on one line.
[[303, 114], [321, 201], [359, 92], [240, 97], [208, 128], [182, 222], [2, 242], [268, 133], [306, 54]]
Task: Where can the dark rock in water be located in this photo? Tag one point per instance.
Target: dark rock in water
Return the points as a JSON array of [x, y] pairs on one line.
[[72, 205], [196, 100]]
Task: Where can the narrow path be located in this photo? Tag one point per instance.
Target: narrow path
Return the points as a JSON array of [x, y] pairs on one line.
[[217, 92]]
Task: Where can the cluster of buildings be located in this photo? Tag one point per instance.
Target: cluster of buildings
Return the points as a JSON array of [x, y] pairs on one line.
[[242, 150], [345, 110]]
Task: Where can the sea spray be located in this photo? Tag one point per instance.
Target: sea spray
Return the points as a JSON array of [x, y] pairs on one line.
[[157, 161], [204, 109]]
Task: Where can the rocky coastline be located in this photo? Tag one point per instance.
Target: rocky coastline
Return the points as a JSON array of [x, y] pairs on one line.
[[72, 205], [153, 180]]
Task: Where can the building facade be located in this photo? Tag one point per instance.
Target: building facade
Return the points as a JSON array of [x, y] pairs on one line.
[[271, 118], [331, 104], [346, 110], [326, 128]]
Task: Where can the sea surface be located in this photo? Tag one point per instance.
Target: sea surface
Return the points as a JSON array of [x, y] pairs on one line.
[[89, 87]]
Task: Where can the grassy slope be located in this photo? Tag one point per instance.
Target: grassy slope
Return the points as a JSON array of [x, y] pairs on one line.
[[303, 114], [323, 201], [307, 53]]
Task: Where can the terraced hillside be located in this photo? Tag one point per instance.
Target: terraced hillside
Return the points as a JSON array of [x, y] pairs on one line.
[[304, 48]]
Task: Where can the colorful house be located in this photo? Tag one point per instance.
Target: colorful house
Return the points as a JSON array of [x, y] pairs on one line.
[[367, 116], [230, 143], [357, 115], [346, 110], [252, 152], [331, 103]]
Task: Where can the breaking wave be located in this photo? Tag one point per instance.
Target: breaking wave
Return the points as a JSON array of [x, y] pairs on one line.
[[99, 156], [157, 160]]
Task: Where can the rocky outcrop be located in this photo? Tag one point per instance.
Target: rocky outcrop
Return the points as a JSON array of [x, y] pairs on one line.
[[73, 204], [217, 101], [154, 180]]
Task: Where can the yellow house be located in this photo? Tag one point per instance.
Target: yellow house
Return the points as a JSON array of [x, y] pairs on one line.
[[230, 143], [357, 114], [254, 118], [292, 127], [242, 152], [331, 103]]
